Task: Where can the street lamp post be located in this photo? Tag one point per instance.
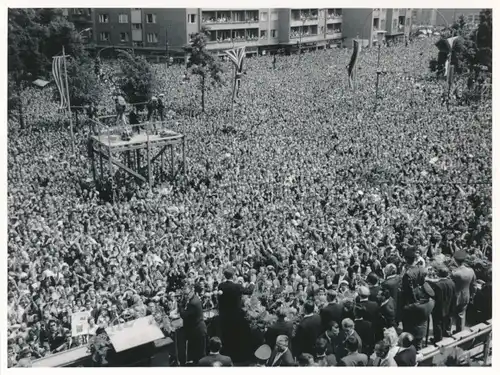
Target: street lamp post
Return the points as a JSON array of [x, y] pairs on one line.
[[380, 38]]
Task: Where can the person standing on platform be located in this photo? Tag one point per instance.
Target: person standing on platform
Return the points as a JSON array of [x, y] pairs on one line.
[[214, 358], [231, 315], [444, 290], [161, 106], [464, 279], [194, 325]]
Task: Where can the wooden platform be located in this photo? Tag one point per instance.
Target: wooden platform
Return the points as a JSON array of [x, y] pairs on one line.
[[137, 141], [118, 153]]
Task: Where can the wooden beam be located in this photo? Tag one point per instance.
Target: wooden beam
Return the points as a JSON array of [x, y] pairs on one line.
[[153, 159], [149, 163], [124, 167]]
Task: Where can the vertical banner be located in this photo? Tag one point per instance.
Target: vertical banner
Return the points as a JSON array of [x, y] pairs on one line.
[[237, 56], [352, 64]]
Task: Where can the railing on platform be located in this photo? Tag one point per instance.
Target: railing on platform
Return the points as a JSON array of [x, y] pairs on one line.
[[474, 341]]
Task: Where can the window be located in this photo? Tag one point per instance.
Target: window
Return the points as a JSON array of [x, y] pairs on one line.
[[152, 38], [123, 37], [123, 18], [263, 16], [263, 34], [104, 36], [274, 15], [151, 18], [103, 18], [138, 44], [137, 26], [191, 18], [274, 33]]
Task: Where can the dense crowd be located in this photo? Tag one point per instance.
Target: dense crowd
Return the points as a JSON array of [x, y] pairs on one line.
[[314, 200]]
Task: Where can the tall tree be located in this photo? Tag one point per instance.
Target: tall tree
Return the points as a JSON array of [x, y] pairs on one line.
[[34, 36], [484, 38], [137, 77], [83, 83], [202, 62]]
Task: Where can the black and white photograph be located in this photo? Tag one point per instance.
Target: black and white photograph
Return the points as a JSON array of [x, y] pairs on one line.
[[248, 187]]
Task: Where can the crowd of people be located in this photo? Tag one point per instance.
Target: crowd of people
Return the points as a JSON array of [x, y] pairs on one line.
[[342, 228]]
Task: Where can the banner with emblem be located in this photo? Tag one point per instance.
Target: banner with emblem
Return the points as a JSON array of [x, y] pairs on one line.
[[80, 323]]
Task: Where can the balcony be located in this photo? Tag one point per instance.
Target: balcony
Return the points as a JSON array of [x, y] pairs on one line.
[[304, 17], [233, 38], [230, 19]]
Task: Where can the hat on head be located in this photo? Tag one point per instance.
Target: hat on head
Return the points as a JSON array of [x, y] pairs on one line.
[[460, 255], [364, 291], [428, 290], [263, 353]]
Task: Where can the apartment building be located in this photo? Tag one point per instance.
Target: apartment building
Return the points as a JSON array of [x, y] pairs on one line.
[[398, 24], [363, 24], [424, 17]]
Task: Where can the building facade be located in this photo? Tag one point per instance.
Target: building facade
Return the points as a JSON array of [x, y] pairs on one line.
[[164, 31], [424, 17], [398, 24]]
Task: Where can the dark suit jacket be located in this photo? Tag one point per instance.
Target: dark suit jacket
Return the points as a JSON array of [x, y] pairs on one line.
[[354, 360], [277, 329], [372, 310], [230, 299], [415, 318], [374, 293], [331, 312], [307, 332], [365, 330], [388, 313], [210, 359], [444, 290], [285, 360], [393, 285], [340, 349], [406, 357], [192, 317]]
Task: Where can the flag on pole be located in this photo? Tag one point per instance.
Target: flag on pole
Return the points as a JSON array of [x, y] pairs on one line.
[[352, 64], [237, 55], [57, 68]]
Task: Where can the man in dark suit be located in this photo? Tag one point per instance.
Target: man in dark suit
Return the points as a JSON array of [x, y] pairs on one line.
[[347, 331], [387, 309], [281, 327], [373, 286], [392, 283], [353, 358], [214, 346], [195, 328], [365, 330], [333, 311], [464, 279], [407, 355], [332, 337], [416, 316], [444, 290], [308, 331], [371, 307], [281, 355], [234, 325], [321, 358], [413, 279]]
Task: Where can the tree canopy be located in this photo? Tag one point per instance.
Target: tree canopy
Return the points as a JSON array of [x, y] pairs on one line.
[[34, 37], [137, 78], [202, 62]]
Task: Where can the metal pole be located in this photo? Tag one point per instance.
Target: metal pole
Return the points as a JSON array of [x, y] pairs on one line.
[[69, 105], [378, 76], [172, 161], [149, 162]]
